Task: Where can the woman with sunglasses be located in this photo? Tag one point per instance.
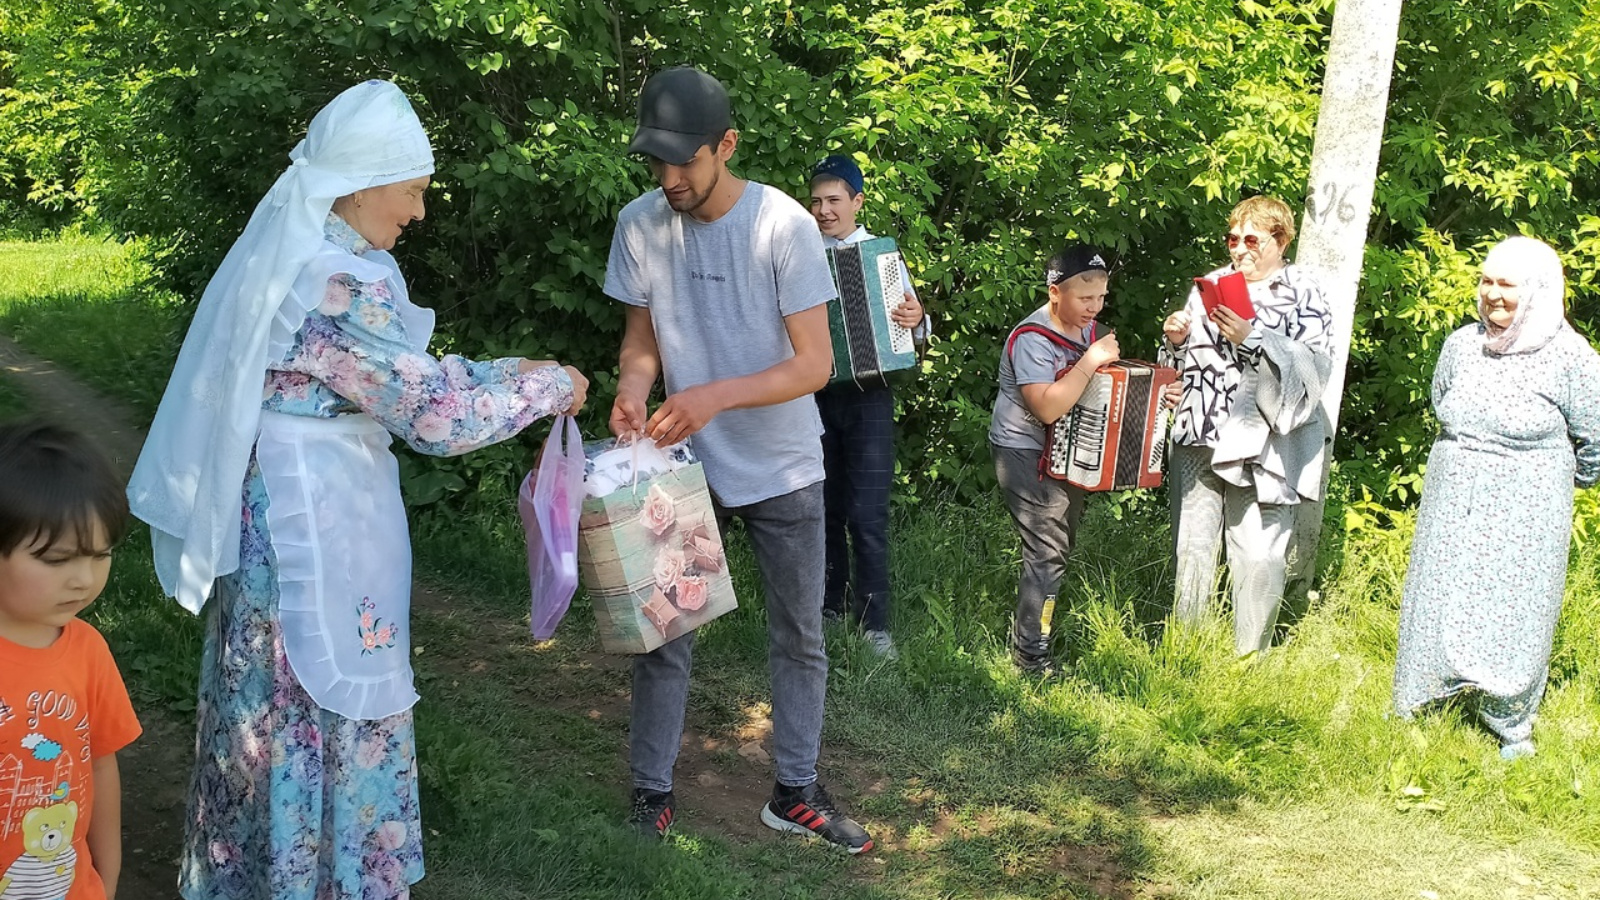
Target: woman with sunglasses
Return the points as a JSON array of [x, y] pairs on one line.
[[1249, 432]]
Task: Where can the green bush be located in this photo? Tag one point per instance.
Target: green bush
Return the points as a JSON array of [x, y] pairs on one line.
[[990, 134]]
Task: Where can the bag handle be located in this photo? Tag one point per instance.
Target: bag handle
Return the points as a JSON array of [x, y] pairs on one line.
[[570, 436], [634, 439]]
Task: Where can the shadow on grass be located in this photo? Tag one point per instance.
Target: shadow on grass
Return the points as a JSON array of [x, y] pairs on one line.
[[121, 344], [972, 778], [977, 781]]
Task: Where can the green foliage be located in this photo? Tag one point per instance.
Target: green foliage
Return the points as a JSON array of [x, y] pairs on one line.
[[1491, 131], [1157, 764], [67, 71], [990, 134]]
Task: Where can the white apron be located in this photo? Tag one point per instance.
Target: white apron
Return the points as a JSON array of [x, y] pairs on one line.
[[344, 560], [339, 533]]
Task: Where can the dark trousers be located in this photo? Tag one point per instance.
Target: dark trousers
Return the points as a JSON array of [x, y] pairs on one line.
[[786, 532], [1046, 512], [858, 455]]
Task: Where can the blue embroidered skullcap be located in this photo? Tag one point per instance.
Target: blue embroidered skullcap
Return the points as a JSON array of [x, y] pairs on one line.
[[843, 168]]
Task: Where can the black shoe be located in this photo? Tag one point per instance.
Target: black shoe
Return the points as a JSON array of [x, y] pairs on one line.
[[1033, 657], [652, 812], [810, 811]]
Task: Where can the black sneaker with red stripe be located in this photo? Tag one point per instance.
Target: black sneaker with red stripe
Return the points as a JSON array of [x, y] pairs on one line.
[[652, 812], [810, 811]]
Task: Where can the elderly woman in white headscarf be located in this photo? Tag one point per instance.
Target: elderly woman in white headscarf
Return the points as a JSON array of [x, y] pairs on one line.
[[271, 492], [1518, 401]]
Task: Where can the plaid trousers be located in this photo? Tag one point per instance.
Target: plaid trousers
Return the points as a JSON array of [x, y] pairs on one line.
[[858, 456]]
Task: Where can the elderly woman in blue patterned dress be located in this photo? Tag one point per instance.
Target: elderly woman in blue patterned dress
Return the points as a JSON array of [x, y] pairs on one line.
[[1517, 392], [1249, 432], [304, 357]]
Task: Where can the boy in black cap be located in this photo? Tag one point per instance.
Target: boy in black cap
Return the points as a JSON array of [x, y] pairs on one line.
[[726, 283], [858, 436], [1047, 362]]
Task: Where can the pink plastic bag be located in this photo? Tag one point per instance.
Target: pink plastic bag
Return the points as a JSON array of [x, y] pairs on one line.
[[550, 501]]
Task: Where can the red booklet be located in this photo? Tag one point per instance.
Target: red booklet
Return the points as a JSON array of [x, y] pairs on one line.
[[1228, 290]]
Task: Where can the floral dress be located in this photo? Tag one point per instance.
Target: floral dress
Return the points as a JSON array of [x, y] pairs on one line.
[[290, 801], [1489, 562]]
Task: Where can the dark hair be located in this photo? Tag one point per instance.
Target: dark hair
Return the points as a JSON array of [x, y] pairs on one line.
[[54, 482]]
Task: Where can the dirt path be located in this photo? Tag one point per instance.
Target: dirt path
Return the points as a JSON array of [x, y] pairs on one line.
[[730, 773]]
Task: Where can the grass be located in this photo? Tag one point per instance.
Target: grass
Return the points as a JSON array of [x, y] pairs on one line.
[[1158, 766], [12, 403], [88, 304]]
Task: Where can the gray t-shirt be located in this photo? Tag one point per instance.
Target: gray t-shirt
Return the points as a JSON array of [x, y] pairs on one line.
[[1034, 359], [718, 293]]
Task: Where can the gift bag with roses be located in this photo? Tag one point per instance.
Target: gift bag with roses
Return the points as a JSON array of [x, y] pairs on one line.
[[649, 552]]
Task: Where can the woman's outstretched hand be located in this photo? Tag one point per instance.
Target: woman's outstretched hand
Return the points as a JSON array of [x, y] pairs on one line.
[[580, 390]]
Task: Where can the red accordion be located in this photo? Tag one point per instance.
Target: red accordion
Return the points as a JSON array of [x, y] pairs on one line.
[[1114, 438]]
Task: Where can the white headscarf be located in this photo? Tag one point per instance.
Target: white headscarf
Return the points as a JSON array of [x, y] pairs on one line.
[[1541, 297], [187, 482]]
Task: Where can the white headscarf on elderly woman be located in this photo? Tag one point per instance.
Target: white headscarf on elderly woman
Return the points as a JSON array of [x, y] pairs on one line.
[[1541, 296], [188, 479]]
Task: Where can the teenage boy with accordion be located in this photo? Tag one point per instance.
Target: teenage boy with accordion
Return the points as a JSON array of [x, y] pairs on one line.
[[858, 433], [1047, 363]]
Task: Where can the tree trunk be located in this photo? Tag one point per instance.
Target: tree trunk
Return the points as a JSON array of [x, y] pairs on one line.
[[1344, 169]]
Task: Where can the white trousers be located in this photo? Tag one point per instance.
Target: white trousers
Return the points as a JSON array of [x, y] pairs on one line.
[[1206, 512]]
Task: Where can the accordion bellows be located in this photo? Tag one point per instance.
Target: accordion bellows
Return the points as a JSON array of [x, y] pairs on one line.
[[1114, 439], [867, 343]]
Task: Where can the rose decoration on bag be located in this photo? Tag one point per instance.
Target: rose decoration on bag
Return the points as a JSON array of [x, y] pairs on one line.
[[668, 568], [658, 513], [684, 556], [691, 592]]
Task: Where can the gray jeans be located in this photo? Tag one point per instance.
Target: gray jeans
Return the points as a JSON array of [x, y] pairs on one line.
[[1206, 511], [1046, 512], [787, 534]]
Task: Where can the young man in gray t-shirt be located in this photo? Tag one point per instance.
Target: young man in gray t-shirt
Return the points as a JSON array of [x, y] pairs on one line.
[[726, 285]]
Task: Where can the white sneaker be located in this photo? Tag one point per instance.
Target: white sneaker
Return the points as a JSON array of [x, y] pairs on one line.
[[1517, 750], [882, 644]]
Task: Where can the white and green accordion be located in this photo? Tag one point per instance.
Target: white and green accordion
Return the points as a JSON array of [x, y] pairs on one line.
[[867, 343]]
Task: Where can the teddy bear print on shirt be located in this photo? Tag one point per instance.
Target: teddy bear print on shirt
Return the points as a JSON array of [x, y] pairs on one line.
[[48, 863]]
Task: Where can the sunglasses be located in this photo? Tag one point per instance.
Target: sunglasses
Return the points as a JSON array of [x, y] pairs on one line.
[[1251, 242]]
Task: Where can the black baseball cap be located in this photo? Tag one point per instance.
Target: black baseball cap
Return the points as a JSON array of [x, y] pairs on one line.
[[1074, 260], [680, 110]]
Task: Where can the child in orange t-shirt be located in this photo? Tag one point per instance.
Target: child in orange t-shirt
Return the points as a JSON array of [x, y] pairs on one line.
[[64, 712]]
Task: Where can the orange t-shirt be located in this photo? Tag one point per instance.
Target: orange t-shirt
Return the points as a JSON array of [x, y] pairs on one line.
[[61, 708]]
